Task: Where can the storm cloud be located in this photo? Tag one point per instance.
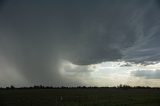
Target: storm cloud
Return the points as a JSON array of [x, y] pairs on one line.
[[36, 36]]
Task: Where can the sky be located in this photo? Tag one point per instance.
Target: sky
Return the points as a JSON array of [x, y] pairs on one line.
[[79, 42]]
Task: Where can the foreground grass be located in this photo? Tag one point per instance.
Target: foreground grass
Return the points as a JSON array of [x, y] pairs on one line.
[[80, 97]]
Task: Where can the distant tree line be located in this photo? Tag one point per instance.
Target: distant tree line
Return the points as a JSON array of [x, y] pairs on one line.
[[81, 87]]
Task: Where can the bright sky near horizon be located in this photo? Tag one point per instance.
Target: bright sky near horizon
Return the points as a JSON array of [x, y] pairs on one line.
[[114, 73]]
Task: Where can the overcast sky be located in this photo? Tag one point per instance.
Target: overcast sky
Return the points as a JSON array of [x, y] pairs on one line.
[[79, 42]]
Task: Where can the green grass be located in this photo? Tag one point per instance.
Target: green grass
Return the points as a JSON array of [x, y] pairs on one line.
[[80, 97]]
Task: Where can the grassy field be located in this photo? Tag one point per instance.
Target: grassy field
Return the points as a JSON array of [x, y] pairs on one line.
[[80, 97]]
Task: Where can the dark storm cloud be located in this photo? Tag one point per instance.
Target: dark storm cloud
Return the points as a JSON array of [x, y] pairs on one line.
[[37, 35], [1, 4], [158, 2], [147, 74]]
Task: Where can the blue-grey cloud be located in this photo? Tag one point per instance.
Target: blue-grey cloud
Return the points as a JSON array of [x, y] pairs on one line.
[[147, 74]]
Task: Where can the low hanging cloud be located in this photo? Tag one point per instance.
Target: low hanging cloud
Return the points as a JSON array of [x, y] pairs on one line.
[[147, 74], [35, 36], [77, 73]]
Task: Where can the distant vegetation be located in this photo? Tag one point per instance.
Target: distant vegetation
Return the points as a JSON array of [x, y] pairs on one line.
[[81, 87]]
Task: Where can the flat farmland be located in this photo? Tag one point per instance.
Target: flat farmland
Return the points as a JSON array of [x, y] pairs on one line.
[[80, 97]]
